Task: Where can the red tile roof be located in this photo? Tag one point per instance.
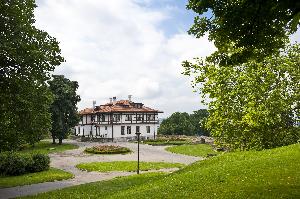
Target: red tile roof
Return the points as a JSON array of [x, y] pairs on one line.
[[120, 106]]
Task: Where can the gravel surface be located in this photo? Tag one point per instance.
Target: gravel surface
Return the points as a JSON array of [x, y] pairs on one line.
[[68, 159]]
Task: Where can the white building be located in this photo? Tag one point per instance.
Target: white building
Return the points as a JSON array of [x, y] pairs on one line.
[[118, 120]]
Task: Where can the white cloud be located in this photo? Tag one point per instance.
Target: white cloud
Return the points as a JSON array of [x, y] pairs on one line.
[[116, 48]]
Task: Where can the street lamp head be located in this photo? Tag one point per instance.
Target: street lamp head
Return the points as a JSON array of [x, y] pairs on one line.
[[138, 134]]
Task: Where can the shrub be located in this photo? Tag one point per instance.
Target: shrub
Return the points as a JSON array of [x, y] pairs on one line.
[[107, 149], [13, 164], [40, 162]]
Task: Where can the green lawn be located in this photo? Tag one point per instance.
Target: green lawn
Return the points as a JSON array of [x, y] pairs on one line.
[[46, 147], [194, 150], [264, 174], [33, 178], [102, 189], [126, 166]]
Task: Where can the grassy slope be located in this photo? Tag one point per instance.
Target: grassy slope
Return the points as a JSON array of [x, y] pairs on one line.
[[194, 150], [101, 189], [265, 174], [126, 166], [46, 147], [33, 178]]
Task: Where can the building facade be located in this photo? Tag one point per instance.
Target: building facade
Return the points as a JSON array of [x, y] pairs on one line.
[[118, 120]]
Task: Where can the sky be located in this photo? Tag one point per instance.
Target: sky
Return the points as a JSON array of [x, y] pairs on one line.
[[121, 47], [126, 47]]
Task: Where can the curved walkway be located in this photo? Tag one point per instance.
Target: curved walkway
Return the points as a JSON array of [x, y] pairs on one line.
[[68, 159]]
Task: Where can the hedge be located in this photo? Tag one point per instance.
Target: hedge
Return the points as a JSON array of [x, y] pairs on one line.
[[13, 164]]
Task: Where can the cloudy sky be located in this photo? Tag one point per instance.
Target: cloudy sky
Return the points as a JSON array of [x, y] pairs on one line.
[[121, 47]]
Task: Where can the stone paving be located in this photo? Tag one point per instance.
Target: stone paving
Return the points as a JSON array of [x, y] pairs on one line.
[[68, 159]]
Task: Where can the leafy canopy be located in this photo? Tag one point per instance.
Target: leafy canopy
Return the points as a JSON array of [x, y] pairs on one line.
[[184, 124], [254, 28], [27, 56], [64, 107], [254, 105]]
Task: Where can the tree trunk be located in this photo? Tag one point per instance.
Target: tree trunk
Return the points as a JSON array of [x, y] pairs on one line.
[[53, 138], [60, 141]]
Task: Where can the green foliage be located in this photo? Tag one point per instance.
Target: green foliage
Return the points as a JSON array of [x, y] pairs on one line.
[[184, 124], [253, 174], [201, 150], [253, 28], [64, 107], [41, 162], [108, 149], [27, 56], [126, 166], [34, 178], [13, 164], [254, 105], [45, 147]]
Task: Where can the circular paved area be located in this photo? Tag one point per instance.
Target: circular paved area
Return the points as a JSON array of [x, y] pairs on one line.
[[67, 161]]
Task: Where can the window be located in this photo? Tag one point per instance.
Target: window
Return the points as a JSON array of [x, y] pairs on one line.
[[116, 118], [122, 130], [137, 129], [148, 129], [128, 117], [150, 117], [81, 119], [102, 118], [79, 130], [92, 118], [105, 127], [128, 129], [139, 117]]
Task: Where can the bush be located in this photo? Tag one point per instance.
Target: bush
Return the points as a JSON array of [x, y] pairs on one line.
[[13, 164], [40, 162], [107, 149]]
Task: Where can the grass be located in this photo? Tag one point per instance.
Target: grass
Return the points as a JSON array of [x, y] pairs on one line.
[[46, 147], [102, 189], [200, 150], [126, 166], [264, 174], [33, 178]]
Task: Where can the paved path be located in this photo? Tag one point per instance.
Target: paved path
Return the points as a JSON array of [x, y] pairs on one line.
[[68, 159]]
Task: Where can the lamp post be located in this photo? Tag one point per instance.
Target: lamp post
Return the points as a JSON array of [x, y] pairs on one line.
[[138, 166]]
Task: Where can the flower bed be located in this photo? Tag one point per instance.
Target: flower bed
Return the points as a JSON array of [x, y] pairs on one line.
[[107, 149]]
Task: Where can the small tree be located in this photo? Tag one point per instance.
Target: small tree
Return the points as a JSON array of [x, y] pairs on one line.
[[64, 107]]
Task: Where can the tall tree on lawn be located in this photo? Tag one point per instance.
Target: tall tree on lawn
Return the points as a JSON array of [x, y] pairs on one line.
[[27, 56], [64, 107]]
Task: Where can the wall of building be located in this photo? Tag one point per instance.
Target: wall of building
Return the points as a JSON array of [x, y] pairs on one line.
[[106, 130]]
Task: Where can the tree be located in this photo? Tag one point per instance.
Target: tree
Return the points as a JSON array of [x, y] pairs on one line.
[[184, 124], [177, 124], [254, 105], [254, 28], [198, 118], [27, 56], [64, 107]]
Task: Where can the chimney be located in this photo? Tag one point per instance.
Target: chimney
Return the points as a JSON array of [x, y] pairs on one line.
[[114, 100], [110, 100], [94, 104], [129, 97]]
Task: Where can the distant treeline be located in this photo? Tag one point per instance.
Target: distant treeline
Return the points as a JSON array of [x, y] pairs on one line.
[[185, 124]]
